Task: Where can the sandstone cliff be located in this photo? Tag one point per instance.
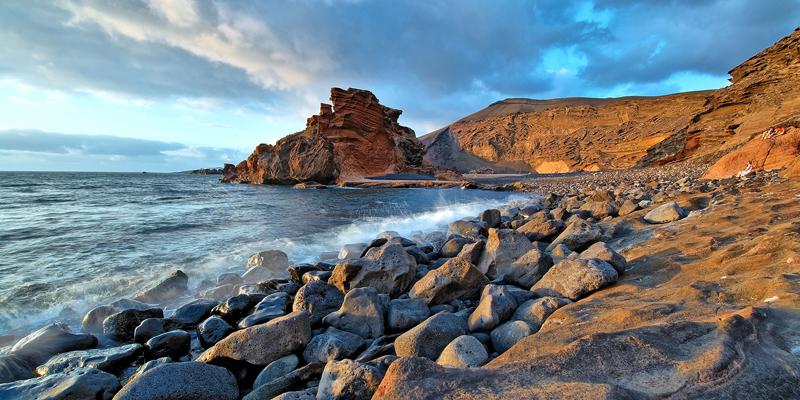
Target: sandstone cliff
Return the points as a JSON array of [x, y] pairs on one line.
[[354, 138], [580, 134]]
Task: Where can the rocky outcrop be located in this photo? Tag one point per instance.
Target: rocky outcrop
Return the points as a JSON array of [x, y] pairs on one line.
[[580, 134], [354, 138]]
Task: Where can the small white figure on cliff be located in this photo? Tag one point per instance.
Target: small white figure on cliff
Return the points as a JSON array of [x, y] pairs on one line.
[[747, 171]]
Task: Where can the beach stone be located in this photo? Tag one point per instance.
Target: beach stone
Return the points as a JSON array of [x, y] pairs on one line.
[[316, 276], [229, 278], [419, 256], [492, 218], [535, 311], [388, 235], [401, 241], [577, 236], [277, 369], [508, 334], [273, 306], [561, 251], [664, 213], [174, 344], [195, 312], [503, 247], [319, 299], [297, 271], [471, 252], [217, 293], [542, 230], [18, 366], [600, 209], [168, 289], [496, 306], [466, 229], [334, 344], [21, 360], [529, 268], [603, 252], [456, 279], [255, 274], [285, 383], [81, 383], [572, 279], [627, 207], [453, 246], [559, 213], [389, 269], [274, 260], [406, 313], [265, 343], [429, 338], [352, 250], [112, 360], [349, 380], [93, 320], [236, 306], [153, 327], [182, 381], [361, 313], [148, 366], [212, 330], [529, 210], [308, 394], [464, 352], [129, 304]]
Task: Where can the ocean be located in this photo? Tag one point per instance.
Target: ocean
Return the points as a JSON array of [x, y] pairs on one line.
[[75, 240]]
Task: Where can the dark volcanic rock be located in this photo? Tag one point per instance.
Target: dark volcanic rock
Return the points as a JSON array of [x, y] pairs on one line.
[[173, 344], [196, 311], [182, 381], [122, 325], [429, 338], [36, 348], [112, 360], [319, 299], [212, 330], [168, 289], [93, 320], [82, 383], [270, 307]]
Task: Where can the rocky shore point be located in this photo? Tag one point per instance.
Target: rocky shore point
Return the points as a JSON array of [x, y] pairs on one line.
[[513, 303]]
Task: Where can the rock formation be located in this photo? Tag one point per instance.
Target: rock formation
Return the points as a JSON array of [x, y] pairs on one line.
[[354, 138], [580, 134]]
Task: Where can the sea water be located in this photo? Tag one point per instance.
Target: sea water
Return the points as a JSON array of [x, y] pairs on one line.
[[75, 240]]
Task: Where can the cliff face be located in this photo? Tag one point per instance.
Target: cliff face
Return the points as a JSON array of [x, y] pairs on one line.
[[354, 138], [581, 134]]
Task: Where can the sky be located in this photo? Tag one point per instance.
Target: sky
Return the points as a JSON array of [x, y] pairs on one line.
[[173, 85]]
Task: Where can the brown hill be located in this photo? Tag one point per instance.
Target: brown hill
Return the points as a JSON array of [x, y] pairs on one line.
[[580, 134]]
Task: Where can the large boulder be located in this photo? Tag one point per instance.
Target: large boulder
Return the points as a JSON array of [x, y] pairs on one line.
[[168, 289], [603, 252], [153, 327], [112, 360], [174, 344], [332, 345], [81, 383], [406, 313], [237, 306], [182, 381], [122, 325], [265, 343], [600, 209], [466, 229], [349, 380], [389, 269], [36, 348], [273, 306], [93, 320], [319, 299], [535, 311], [503, 247], [455, 279], [274, 260], [529, 268], [496, 306], [542, 230], [195, 312], [664, 213], [510, 333], [361, 313], [579, 235], [572, 279], [212, 330], [429, 338], [464, 352]]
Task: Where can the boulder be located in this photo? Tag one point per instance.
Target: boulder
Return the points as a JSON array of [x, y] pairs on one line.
[[81, 383], [603, 252], [492, 218], [535, 311], [153, 327], [664, 213], [496, 306], [361, 313], [464, 352], [578, 236], [319, 299], [471, 252], [354, 250], [389, 269], [529, 268], [503, 247], [561, 251], [195, 312], [168, 289], [229, 278], [255, 274], [542, 230], [332, 345], [276, 369], [93, 320], [572, 279], [212, 330], [627, 207], [429, 338], [466, 229], [529, 210], [265, 343], [273, 306], [600, 209], [174, 344], [308, 394], [297, 271], [406, 313], [349, 380], [453, 246], [112, 360], [273, 260], [508, 334], [21, 360], [286, 382], [182, 381], [456, 279], [237, 306]]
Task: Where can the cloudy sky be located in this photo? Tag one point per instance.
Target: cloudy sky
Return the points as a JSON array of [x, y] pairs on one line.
[[170, 85]]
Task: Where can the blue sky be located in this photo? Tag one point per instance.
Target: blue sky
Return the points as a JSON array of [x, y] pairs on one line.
[[170, 85]]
